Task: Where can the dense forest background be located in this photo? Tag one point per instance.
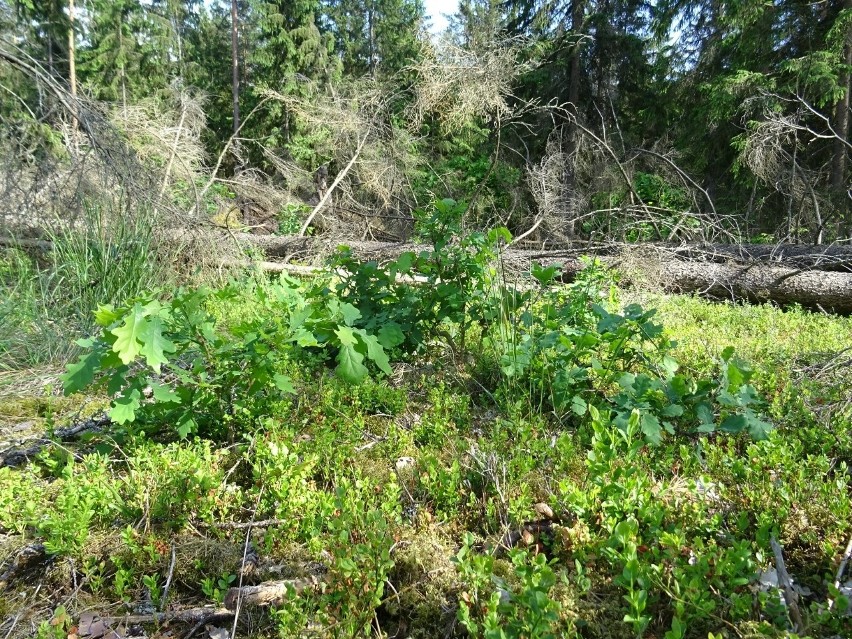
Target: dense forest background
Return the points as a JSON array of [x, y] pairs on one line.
[[611, 119], [369, 331]]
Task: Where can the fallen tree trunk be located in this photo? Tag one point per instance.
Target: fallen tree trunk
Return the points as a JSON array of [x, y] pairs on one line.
[[711, 270], [814, 289], [832, 257], [830, 291]]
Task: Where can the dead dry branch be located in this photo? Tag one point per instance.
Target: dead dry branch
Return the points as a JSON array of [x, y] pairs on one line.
[[373, 194], [774, 148], [460, 85]]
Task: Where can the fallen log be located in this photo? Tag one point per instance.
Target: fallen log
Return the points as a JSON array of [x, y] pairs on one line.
[[832, 257], [829, 291], [715, 271]]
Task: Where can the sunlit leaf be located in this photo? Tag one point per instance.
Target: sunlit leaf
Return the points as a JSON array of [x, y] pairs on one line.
[[284, 383], [154, 344], [124, 408], [127, 342]]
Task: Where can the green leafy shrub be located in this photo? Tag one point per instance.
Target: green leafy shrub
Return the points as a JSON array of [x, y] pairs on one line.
[[569, 354], [359, 537], [421, 295], [171, 485], [169, 362], [317, 320]]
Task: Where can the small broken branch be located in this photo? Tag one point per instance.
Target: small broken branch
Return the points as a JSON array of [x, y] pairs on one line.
[[791, 597], [164, 598], [847, 554], [189, 615], [242, 525], [15, 456], [270, 592], [42, 245], [334, 184]]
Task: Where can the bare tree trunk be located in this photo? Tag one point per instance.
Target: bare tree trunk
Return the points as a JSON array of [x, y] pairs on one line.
[[839, 183], [72, 71], [792, 190], [235, 63], [179, 39], [50, 53], [569, 182], [372, 38], [122, 71]]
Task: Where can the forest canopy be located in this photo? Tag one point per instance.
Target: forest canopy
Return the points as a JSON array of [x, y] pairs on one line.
[[596, 119]]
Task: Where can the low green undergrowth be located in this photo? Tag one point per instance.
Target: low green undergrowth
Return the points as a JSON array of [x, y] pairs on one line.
[[646, 457]]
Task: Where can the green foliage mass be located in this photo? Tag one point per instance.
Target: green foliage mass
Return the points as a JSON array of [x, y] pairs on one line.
[[666, 481], [673, 537]]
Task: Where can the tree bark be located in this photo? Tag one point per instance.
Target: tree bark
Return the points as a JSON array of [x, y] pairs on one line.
[[569, 181], [839, 182], [270, 592], [72, 71], [235, 65], [824, 258], [121, 70]]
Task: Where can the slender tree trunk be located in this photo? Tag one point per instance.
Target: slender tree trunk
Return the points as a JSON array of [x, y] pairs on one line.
[[235, 63], [72, 71], [574, 79], [839, 181], [50, 53], [569, 182], [179, 39], [372, 39], [122, 73]]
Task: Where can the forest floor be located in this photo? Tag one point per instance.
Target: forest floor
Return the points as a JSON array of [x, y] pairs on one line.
[[439, 501]]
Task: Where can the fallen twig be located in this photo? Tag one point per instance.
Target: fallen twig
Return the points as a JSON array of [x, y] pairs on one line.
[[165, 596], [242, 525], [791, 597], [16, 456], [188, 615], [270, 592], [847, 554]]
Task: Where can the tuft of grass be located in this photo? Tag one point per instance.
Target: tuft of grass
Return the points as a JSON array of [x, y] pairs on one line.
[[109, 258], [762, 334]]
